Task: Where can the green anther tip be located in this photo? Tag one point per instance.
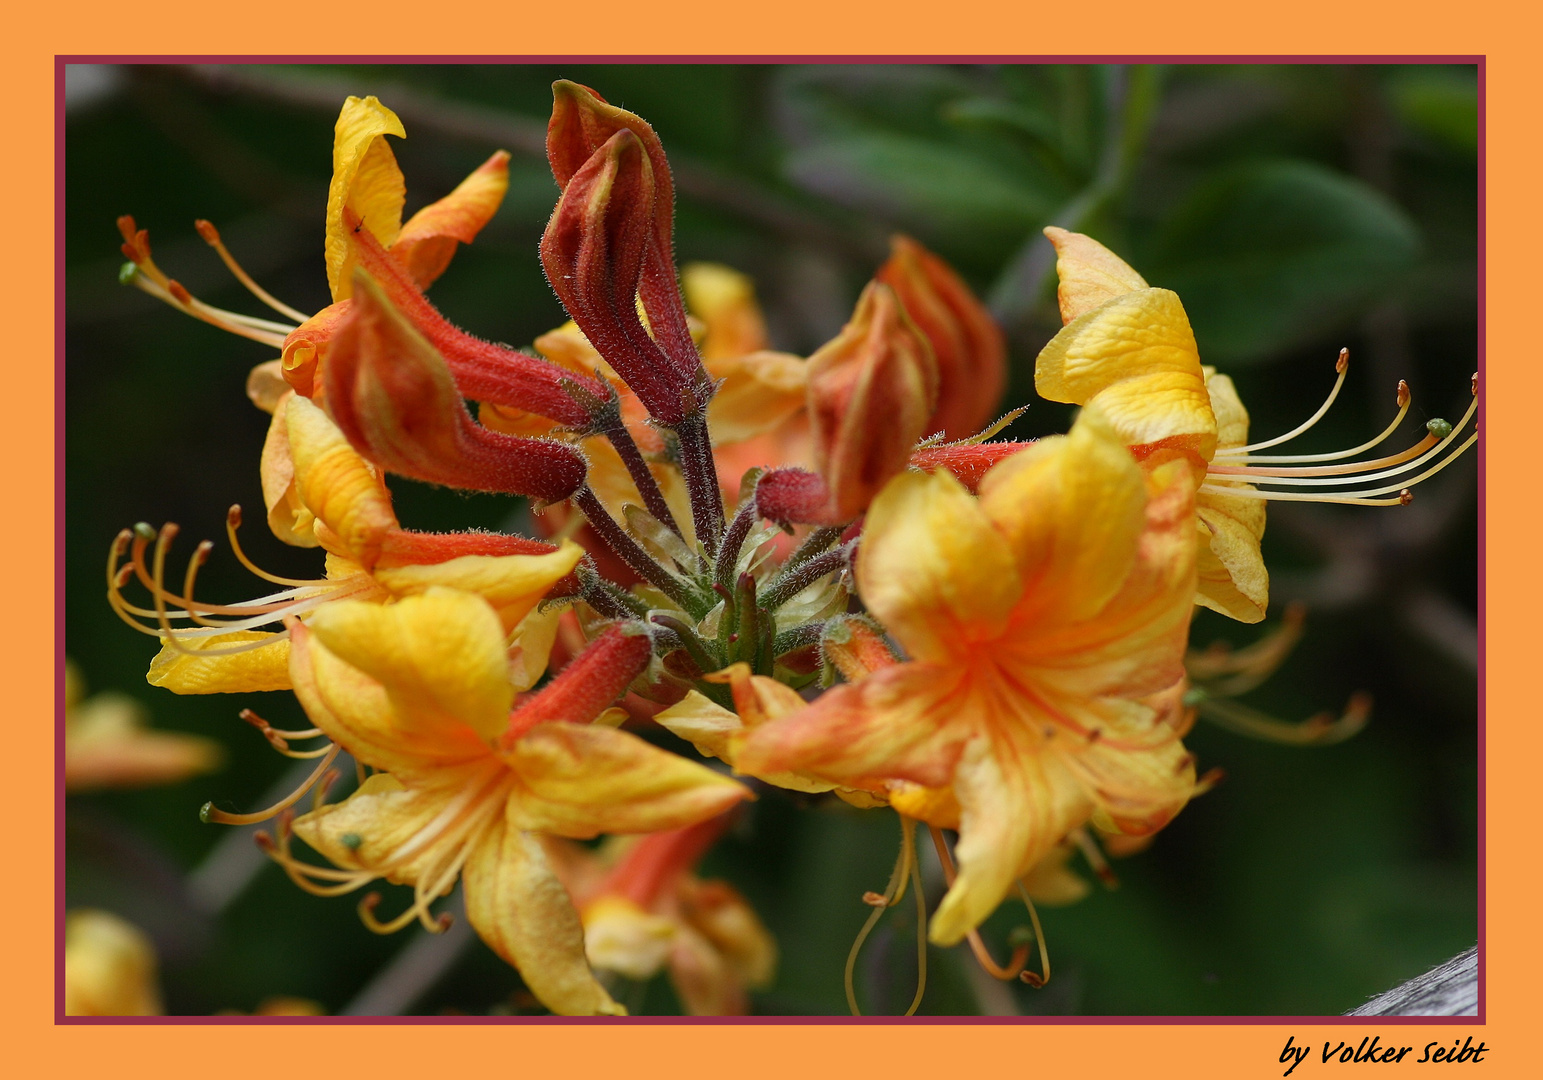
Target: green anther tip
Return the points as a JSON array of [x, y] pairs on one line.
[[1438, 427], [351, 840], [204, 811], [127, 273], [143, 530], [1195, 695], [1020, 935]]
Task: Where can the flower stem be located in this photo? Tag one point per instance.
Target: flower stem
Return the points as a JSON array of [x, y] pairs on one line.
[[628, 549], [701, 475]]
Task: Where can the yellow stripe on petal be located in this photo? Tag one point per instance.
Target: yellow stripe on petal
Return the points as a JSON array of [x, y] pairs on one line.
[[513, 584], [440, 657], [183, 671], [1142, 339], [337, 485], [429, 238], [933, 568], [366, 180], [517, 905]]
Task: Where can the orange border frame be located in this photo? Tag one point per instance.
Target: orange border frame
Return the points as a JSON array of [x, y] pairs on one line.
[[793, 27]]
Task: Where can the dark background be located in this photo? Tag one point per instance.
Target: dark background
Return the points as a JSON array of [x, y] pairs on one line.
[[1295, 209]]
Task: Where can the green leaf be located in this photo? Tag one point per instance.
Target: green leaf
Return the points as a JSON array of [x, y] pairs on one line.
[[1271, 254]]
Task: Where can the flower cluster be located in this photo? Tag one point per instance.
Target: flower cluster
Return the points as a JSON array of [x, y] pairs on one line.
[[999, 628]]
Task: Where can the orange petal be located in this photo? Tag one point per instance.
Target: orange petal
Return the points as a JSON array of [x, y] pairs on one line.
[[427, 242]]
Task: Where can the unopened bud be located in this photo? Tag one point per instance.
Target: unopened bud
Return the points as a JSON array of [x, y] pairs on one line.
[[856, 647], [872, 390], [582, 122], [966, 341], [394, 397], [593, 253]]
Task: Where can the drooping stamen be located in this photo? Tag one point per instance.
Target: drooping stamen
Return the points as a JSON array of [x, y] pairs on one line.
[[1323, 729], [279, 739], [210, 813], [211, 237], [907, 869], [1020, 957], [1036, 981], [1341, 365], [1251, 665]]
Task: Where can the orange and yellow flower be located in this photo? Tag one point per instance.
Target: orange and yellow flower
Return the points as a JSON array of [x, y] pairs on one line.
[[420, 690], [1036, 619]]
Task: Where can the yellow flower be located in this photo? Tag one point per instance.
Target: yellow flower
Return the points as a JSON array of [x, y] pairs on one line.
[[420, 689], [1129, 349], [1035, 618], [108, 745], [644, 910], [322, 492], [109, 967]]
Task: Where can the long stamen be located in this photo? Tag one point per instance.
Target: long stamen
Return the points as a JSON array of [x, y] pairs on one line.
[[906, 869], [1362, 498], [1404, 399], [210, 813], [1324, 729], [1341, 365], [211, 237], [1027, 976], [1095, 857], [177, 295], [1020, 957], [232, 523]]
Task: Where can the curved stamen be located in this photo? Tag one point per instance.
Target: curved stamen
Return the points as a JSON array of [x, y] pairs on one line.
[[1363, 498], [1020, 957], [210, 813], [907, 869], [1027, 976], [1341, 365], [232, 523], [211, 237], [1404, 399]]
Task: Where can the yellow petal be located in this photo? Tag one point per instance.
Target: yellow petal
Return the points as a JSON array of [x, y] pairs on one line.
[[371, 828], [1136, 355], [1233, 578], [429, 238], [724, 299], [933, 568], [439, 656], [758, 391], [530, 647], [337, 485], [1052, 882], [1231, 416], [713, 730], [1072, 509], [184, 671], [619, 936], [517, 905], [579, 780], [1089, 273], [513, 584], [366, 180], [109, 967], [288, 516], [1016, 805], [355, 711]]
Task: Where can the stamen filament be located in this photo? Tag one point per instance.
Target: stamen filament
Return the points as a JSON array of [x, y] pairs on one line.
[[1341, 365], [211, 813], [232, 523], [1404, 399], [211, 237], [906, 869], [1020, 955], [1027, 976], [1362, 497]]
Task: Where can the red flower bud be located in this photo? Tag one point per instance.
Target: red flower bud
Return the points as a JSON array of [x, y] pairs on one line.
[[969, 462], [582, 122], [393, 396], [589, 683], [593, 252], [971, 354], [871, 392]]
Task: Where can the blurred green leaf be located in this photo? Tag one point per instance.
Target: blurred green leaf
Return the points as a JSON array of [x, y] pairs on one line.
[[1440, 102], [1271, 254]]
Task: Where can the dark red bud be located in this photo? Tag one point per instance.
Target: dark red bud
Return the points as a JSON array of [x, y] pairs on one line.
[[393, 396]]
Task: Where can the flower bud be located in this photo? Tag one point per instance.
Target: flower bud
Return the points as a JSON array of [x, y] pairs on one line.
[[593, 252], [393, 395], [872, 390], [582, 122], [971, 354]]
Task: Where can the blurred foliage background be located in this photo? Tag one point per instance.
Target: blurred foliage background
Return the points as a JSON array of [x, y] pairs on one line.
[[1296, 209]]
